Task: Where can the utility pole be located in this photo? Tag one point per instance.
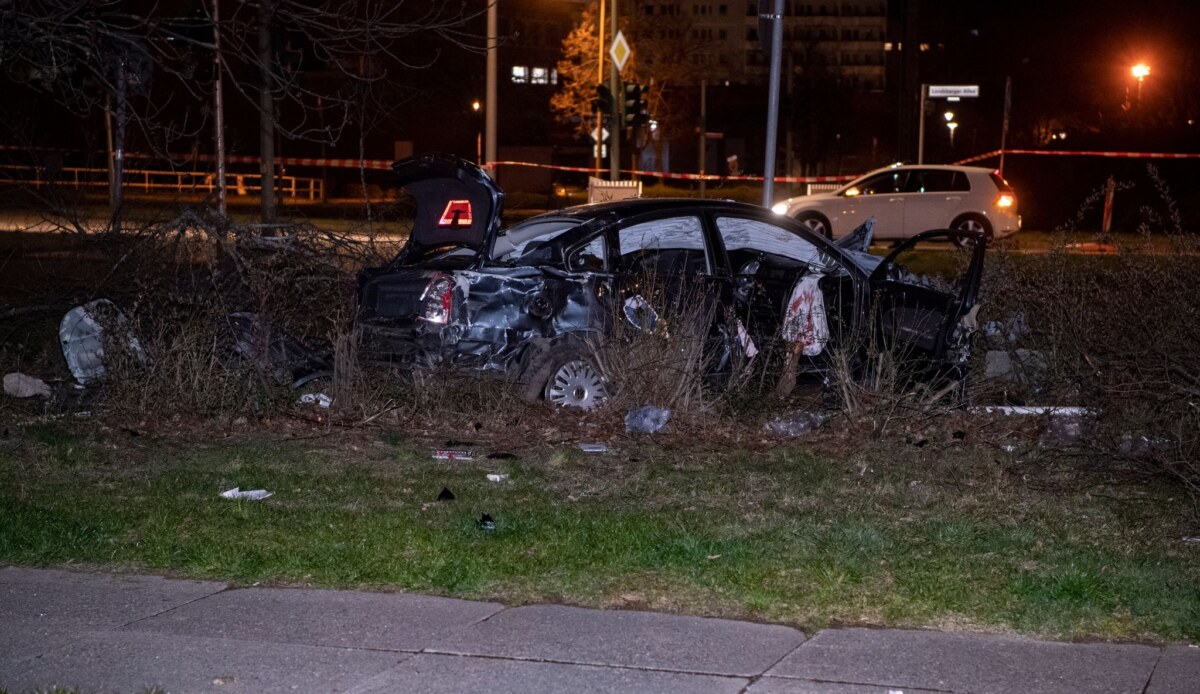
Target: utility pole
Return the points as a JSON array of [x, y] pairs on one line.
[[266, 115], [219, 107], [773, 104], [921, 126], [493, 47], [1004, 124], [703, 132]]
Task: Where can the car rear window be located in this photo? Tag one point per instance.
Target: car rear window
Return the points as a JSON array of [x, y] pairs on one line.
[[1001, 184], [937, 181]]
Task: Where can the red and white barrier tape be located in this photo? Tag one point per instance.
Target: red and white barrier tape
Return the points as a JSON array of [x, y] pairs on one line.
[[1081, 153], [386, 164], [680, 176]]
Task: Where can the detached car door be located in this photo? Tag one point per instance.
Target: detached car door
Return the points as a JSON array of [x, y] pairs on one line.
[[922, 291]]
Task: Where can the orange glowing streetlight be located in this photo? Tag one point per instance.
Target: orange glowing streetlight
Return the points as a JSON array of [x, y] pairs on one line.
[[1140, 71]]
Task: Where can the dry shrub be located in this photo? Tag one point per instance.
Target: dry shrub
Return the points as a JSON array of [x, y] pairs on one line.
[[1116, 333], [180, 282], [661, 352]]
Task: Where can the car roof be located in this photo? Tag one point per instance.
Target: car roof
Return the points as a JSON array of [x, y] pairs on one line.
[[942, 167], [638, 206]]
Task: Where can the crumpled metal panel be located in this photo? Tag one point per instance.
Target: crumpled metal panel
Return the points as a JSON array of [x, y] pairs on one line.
[[87, 330]]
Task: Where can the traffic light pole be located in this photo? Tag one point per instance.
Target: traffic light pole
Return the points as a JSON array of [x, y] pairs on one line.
[[614, 85], [600, 82]]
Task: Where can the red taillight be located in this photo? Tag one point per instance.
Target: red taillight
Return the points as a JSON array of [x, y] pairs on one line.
[[1006, 200], [438, 299]]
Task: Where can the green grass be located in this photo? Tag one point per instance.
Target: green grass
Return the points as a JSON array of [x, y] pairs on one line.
[[880, 536]]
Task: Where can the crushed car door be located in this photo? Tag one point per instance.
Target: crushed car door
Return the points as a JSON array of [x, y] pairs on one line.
[[924, 288], [664, 266], [774, 268]]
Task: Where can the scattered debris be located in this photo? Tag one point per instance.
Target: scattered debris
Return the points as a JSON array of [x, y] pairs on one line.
[[94, 333], [959, 435], [453, 454], [319, 399], [1064, 410], [497, 477], [1023, 366], [250, 340], [486, 523], [249, 494], [1007, 330], [646, 420], [446, 495], [798, 423], [593, 447], [1192, 540], [19, 385], [1142, 446]]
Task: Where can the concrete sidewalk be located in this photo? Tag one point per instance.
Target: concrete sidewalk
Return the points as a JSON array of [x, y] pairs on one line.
[[113, 633]]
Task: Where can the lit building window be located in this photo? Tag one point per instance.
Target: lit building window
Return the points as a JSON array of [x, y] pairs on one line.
[[520, 74], [540, 75]]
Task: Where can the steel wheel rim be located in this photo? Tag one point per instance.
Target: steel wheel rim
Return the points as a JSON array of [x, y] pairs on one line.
[[576, 384]]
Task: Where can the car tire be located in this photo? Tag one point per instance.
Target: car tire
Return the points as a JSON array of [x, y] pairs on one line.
[[974, 222], [563, 375], [816, 223]]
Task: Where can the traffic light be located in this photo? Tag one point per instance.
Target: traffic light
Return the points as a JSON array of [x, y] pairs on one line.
[[636, 111], [603, 101]]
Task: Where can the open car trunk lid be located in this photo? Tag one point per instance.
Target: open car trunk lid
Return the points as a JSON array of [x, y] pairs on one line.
[[458, 206]]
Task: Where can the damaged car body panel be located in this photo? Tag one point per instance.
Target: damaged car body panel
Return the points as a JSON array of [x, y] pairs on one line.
[[523, 301]]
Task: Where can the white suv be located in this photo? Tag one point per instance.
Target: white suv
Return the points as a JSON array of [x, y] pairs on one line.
[[908, 199]]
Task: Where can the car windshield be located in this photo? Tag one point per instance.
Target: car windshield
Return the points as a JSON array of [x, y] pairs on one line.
[[529, 235]]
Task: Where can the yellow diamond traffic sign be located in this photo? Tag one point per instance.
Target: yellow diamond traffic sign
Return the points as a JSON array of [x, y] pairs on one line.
[[620, 51]]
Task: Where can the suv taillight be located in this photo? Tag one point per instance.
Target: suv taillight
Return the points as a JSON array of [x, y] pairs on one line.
[[1006, 200], [437, 299]]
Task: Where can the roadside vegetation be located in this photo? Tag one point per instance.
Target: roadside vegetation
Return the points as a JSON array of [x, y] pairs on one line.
[[907, 506]]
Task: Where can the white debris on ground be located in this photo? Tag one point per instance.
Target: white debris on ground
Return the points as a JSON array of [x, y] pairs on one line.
[[248, 495], [19, 385]]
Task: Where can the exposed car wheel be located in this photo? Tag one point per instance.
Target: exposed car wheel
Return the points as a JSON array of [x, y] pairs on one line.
[[816, 223], [974, 222], [564, 376]]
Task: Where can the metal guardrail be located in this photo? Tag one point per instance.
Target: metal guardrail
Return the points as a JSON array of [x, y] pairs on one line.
[[147, 180]]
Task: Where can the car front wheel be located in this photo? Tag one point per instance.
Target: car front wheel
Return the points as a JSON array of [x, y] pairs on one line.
[[816, 223]]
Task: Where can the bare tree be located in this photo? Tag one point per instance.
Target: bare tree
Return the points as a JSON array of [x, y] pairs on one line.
[[140, 63]]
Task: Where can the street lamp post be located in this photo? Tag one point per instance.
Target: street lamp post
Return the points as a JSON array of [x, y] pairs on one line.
[[951, 126], [475, 105]]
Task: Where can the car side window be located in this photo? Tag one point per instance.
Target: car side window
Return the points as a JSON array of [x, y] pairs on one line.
[[674, 246], [884, 183], [934, 181], [747, 240], [591, 256]]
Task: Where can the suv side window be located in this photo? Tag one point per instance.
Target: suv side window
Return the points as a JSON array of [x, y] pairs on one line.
[[670, 246]]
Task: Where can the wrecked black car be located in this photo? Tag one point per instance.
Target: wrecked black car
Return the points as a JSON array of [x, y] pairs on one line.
[[525, 301]]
